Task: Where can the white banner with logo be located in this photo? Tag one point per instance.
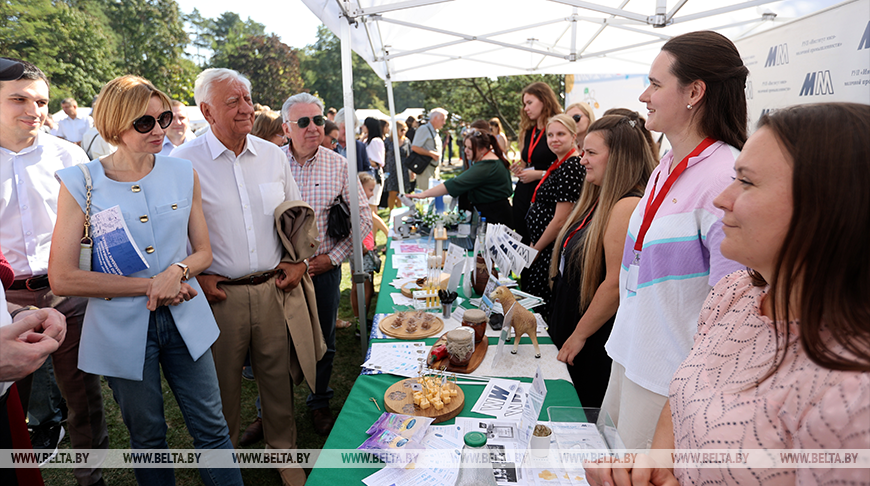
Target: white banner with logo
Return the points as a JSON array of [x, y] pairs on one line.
[[819, 58]]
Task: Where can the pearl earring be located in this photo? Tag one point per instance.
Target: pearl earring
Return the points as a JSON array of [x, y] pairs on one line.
[[689, 106]]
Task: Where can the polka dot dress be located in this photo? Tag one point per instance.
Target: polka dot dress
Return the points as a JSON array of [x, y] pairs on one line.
[[563, 185]]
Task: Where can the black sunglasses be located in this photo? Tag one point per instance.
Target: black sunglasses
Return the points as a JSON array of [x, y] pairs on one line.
[[145, 123], [305, 120], [576, 118]]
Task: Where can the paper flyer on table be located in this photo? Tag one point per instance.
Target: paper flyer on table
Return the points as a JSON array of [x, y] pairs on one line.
[[115, 251], [454, 257], [496, 396], [532, 408]]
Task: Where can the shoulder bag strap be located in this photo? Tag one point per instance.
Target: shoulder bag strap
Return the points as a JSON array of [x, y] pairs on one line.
[[87, 244]]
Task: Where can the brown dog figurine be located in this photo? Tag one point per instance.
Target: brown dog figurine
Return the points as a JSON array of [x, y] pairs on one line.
[[522, 319]]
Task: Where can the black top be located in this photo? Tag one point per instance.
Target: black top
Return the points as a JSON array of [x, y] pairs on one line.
[[540, 159], [563, 185], [591, 370]]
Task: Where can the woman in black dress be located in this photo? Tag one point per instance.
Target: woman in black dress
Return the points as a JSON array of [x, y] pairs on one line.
[[539, 104], [588, 253], [552, 200]]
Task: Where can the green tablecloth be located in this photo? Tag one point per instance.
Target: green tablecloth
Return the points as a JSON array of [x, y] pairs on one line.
[[358, 412]]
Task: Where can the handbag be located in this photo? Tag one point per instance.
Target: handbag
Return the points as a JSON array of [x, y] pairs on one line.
[[338, 225], [417, 163], [87, 244]]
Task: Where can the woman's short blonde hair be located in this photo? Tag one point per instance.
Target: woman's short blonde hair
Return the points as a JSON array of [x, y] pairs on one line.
[[585, 108], [121, 101]]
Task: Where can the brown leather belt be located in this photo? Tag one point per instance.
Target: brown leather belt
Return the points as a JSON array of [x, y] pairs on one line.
[[251, 279], [32, 284]]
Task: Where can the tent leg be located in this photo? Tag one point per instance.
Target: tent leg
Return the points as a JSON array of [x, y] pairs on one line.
[[358, 279], [400, 168]]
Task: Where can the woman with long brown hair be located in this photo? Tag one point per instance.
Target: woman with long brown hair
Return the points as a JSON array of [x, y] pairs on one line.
[[588, 250], [781, 359], [671, 257], [540, 103]]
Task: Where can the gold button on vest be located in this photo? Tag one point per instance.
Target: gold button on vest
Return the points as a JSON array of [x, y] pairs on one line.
[[143, 218], [149, 249], [175, 206], [136, 188]]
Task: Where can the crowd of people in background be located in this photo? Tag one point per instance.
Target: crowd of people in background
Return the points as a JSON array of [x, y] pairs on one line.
[[714, 296]]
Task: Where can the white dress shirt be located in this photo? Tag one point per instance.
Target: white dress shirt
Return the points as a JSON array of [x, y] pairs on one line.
[[168, 146], [28, 200], [73, 129], [95, 146], [239, 197]]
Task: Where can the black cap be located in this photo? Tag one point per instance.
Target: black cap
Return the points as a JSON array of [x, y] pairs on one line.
[[10, 70]]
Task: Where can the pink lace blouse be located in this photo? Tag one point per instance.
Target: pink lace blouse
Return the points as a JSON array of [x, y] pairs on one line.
[[715, 403]]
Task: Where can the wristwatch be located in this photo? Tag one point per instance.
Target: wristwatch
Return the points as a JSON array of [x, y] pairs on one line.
[[185, 271]]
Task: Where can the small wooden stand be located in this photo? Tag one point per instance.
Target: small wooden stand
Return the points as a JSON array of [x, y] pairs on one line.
[[476, 357], [440, 235], [400, 333], [399, 398]]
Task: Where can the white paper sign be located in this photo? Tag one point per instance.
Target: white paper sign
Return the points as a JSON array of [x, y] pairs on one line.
[[496, 396], [532, 408]]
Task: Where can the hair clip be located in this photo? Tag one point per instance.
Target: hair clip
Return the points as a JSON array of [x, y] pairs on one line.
[[632, 122]]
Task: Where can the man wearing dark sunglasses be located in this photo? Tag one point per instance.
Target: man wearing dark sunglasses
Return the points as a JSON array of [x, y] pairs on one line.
[[322, 176], [28, 210], [243, 180]]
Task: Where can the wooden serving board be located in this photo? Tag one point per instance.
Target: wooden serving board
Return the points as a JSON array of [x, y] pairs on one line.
[[476, 357], [409, 287], [400, 333], [399, 398]]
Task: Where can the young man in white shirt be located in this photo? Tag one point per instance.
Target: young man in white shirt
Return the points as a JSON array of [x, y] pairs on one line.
[[28, 210], [72, 128]]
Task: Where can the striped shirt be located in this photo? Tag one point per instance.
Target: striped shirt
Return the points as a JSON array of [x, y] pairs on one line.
[[679, 264], [321, 179]]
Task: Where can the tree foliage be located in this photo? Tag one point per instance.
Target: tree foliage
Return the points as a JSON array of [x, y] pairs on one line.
[[151, 43], [73, 50], [474, 98], [271, 65]]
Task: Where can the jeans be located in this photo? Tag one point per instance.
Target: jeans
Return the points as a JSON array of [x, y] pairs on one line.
[[195, 386], [44, 405], [326, 288]]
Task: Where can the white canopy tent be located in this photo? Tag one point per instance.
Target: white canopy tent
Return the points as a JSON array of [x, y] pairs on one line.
[[408, 40]]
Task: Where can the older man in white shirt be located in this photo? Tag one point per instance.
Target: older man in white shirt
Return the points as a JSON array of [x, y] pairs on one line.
[[72, 128], [243, 179], [28, 210]]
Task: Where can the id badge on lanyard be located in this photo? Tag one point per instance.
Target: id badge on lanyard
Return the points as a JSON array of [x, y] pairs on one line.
[[631, 279]]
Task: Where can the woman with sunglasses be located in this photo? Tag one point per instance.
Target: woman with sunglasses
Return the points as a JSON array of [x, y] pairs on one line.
[[583, 116], [487, 182], [393, 165], [153, 319]]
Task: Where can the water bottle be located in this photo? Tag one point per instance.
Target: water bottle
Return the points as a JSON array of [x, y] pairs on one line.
[[481, 234], [475, 467]]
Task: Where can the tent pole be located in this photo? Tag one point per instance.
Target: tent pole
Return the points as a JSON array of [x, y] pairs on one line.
[[358, 277], [397, 154]]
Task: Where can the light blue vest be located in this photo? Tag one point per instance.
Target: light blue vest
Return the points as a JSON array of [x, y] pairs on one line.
[[156, 209]]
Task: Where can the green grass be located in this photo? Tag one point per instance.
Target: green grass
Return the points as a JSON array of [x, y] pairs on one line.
[[346, 368]]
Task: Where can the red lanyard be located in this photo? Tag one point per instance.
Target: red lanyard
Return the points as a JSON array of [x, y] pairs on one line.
[[582, 225], [550, 171], [534, 143], [652, 206]]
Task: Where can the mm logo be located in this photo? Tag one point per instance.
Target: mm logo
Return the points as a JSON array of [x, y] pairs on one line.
[[817, 83], [777, 56], [865, 39]]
